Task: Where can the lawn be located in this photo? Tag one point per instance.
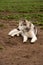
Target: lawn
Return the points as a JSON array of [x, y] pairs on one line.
[[16, 9]]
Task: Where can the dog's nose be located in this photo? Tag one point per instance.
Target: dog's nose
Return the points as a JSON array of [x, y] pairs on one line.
[[18, 29]]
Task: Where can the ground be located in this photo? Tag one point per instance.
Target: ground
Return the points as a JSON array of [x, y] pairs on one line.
[[14, 52]]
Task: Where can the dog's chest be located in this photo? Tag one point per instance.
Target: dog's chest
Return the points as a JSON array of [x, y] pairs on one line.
[[28, 34]]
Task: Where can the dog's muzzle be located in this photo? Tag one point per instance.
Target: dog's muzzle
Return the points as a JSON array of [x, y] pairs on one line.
[[18, 29]]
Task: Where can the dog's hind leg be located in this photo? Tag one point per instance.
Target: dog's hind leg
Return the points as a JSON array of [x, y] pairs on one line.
[[12, 31], [16, 33]]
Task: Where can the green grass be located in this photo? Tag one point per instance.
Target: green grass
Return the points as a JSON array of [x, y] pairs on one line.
[[21, 5], [29, 9]]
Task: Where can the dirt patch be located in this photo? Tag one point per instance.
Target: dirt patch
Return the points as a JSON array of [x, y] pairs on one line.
[[14, 52]]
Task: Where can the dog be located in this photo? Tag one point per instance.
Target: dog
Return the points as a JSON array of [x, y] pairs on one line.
[[27, 30]]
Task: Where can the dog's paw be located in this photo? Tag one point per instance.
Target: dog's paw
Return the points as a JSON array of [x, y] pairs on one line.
[[25, 38], [17, 34], [33, 40]]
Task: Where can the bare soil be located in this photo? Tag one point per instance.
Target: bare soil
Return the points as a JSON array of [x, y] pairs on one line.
[[14, 52]]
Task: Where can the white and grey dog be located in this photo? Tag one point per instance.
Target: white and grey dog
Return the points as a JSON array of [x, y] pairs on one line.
[[26, 29]]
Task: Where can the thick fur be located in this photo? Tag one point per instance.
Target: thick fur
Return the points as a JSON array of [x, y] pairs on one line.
[[27, 30]]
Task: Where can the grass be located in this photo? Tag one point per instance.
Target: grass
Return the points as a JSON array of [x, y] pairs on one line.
[[29, 9], [21, 5]]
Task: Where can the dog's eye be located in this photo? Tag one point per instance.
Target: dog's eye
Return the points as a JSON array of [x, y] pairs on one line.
[[24, 24], [27, 29]]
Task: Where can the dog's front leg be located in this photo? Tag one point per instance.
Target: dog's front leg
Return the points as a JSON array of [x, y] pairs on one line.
[[17, 34], [24, 38], [34, 38]]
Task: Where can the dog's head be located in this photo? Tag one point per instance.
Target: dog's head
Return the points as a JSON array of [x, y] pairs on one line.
[[22, 22], [24, 25]]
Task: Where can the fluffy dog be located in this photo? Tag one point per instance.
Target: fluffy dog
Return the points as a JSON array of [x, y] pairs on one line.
[[26, 29]]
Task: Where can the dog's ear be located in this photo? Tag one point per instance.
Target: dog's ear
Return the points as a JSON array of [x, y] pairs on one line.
[[20, 22], [24, 22], [29, 24]]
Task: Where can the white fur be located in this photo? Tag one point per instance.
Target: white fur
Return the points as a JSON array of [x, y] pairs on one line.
[[14, 32], [24, 34]]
